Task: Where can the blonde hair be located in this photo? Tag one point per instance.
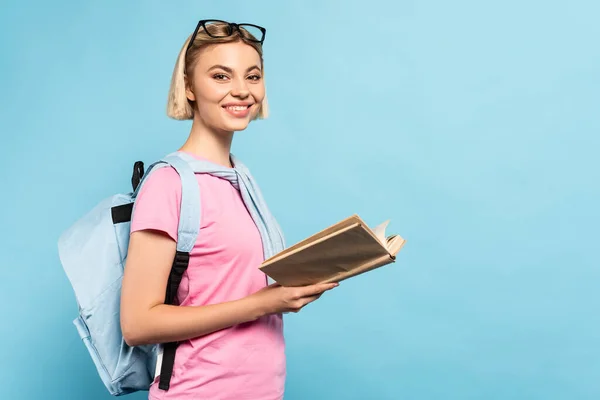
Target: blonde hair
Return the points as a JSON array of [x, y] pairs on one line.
[[178, 105]]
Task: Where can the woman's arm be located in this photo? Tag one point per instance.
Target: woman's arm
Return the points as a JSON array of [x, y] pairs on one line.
[[144, 316], [145, 319]]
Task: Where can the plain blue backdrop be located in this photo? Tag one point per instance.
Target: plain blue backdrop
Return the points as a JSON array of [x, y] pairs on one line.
[[474, 126]]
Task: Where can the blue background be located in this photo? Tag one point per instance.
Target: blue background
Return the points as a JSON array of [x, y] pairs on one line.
[[472, 125]]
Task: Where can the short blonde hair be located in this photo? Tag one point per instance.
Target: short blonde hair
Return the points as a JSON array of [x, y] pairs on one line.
[[178, 105]]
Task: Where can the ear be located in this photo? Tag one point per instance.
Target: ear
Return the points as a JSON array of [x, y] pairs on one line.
[[188, 90]]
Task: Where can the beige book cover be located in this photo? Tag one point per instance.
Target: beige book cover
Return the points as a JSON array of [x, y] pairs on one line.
[[341, 251]]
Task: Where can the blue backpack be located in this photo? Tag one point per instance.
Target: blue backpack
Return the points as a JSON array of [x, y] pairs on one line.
[[93, 252]]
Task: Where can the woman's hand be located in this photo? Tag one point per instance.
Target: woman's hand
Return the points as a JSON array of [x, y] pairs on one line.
[[275, 298]]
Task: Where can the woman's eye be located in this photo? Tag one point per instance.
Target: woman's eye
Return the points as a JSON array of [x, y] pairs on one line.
[[254, 77], [220, 76]]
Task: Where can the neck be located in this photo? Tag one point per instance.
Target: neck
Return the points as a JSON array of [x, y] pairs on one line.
[[207, 143]]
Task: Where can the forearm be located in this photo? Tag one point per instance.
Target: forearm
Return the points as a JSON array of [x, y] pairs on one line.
[[166, 323]]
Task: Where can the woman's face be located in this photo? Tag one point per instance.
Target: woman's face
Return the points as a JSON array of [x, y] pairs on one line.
[[227, 86]]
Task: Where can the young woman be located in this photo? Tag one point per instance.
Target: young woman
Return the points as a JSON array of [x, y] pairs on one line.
[[229, 321]]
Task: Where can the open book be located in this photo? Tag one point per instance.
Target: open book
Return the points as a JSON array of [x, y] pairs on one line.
[[345, 249]]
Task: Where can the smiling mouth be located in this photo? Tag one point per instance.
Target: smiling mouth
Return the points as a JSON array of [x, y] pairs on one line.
[[237, 108]]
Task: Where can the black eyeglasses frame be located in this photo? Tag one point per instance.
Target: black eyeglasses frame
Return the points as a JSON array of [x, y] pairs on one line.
[[233, 26]]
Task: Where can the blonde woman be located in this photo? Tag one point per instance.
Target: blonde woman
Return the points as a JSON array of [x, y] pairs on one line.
[[228, 320]]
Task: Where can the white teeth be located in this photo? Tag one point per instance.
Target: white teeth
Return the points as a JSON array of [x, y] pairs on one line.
[[238, 108]]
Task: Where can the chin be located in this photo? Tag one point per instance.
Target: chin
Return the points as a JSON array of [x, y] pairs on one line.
[[236, 125]]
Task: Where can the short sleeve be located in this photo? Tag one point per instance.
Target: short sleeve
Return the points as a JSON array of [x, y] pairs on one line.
[[158, 203]]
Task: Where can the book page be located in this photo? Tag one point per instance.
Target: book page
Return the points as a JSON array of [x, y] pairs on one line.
[[395, 244], [379, 231]]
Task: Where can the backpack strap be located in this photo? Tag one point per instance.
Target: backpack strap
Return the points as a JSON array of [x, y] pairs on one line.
[[187, 232], [189, 215]]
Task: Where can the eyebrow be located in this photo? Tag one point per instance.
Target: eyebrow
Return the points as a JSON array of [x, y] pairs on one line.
[[227, 69]]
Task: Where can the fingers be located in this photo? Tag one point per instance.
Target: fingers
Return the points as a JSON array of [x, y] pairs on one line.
[[301, 296], [310, 299], [313, 290], [303, 301]]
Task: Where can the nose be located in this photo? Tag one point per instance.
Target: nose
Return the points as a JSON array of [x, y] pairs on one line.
[[240, 89]]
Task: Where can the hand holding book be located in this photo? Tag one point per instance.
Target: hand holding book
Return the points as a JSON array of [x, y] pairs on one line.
[[282, 299]]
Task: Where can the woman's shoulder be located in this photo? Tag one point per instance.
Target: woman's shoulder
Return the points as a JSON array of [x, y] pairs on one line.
[[163, 178], [157, 203], [162, 185]]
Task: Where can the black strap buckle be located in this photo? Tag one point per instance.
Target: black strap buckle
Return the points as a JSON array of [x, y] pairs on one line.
[[138, 173]]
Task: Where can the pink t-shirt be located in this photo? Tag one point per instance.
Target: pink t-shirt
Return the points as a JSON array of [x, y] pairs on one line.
[[242, 362]]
